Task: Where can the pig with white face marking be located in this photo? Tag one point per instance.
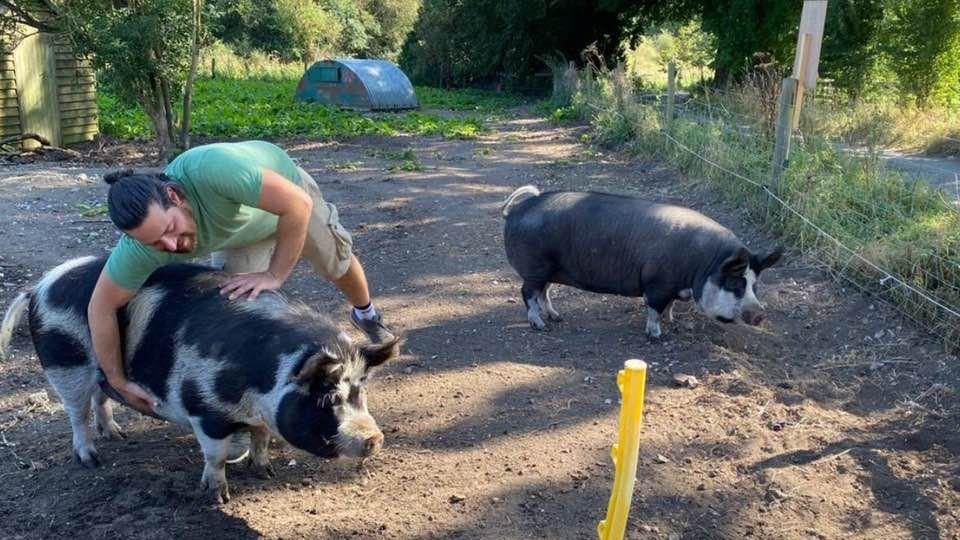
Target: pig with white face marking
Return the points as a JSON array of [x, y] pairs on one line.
[[221, 367], [616, 244]]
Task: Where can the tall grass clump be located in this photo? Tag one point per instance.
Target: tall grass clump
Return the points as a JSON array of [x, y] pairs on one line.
[[886, 234], [888, 123], [218, 60]]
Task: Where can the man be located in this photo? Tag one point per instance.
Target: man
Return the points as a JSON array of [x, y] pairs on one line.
[[251, 207]]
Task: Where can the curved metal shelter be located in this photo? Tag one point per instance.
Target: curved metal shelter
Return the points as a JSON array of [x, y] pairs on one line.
[[369, 85]]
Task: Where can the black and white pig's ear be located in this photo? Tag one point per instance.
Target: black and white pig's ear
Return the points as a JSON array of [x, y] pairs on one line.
[[375, 355], [736, 264], [323, 364], [761, 264]]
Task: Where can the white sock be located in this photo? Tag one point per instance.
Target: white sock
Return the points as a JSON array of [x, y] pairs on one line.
[[367, 313]]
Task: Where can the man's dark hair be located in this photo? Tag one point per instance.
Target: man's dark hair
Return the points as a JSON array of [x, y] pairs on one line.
[[131, 195]]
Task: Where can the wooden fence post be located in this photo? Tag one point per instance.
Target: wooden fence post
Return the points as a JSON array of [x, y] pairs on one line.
[[800, 74], [781, 148], [671, 91]]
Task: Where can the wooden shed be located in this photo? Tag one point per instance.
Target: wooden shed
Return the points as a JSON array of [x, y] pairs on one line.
[[47, 89]]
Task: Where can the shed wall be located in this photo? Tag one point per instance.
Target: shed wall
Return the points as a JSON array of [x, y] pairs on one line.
[[76, 94], [9, 105]]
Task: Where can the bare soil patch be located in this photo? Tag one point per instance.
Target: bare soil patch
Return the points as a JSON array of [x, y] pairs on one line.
[[836, 419]]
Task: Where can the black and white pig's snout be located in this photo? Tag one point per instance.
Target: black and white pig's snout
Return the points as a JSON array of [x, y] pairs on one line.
[[358, 436]]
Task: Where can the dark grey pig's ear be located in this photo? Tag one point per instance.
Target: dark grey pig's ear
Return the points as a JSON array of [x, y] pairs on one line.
[[761, 264], [380, 353], [737, 263], [322, 364]]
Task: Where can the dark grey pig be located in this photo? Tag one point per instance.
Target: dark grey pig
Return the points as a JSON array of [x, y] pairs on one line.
[[220, 367], [616, 244]]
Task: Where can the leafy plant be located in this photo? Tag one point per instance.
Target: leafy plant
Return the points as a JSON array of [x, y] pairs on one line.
[[266, 109], [91, 210]]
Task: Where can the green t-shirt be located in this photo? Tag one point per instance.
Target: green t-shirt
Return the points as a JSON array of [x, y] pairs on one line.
[[222, 182]]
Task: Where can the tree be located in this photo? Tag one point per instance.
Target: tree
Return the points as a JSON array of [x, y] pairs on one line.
[[850, 51], [394, 20], [146, 49], [503, 42], [305, 29], [287, 29], [921, 38]]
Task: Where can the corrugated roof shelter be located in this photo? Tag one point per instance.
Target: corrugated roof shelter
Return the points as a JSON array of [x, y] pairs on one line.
[[367, 85], [47, 89]]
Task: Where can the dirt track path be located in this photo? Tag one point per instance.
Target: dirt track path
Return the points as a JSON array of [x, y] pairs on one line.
[[825, 423]]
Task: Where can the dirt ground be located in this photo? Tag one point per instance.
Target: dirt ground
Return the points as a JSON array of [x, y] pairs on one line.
[[836, 419]]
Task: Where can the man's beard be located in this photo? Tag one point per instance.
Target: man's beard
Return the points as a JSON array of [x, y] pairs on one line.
[[186, 245]]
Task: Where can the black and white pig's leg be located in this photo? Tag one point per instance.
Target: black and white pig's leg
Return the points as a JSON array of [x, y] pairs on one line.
[[215, 452], [667, 315], [656, 306], [259, 458], [103, 413], [546, 304], [76, 386], [531, 291]]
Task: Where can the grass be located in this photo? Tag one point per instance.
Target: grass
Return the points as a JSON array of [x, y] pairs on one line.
[[889, 124], [225, 108], [902, 226], [468, 99]]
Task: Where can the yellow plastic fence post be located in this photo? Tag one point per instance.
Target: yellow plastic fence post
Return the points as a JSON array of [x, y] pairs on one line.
[[632, 382]]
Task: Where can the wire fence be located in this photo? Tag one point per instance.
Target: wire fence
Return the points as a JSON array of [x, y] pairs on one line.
[[873, 229]]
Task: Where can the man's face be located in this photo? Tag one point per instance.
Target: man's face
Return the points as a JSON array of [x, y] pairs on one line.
[[170, 230]]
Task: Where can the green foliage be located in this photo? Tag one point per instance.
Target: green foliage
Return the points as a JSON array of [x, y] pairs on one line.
[[266, 109], [558, 113], [307, 29], [922, 40], [394, 20], [135, 47], [849, 53], [91, 210], [408, 161], [888, 124], [121, 120], [686, 44], [912, 43], [143, 50], [467, 99], [254, 66], [286, 29], [504, 42]]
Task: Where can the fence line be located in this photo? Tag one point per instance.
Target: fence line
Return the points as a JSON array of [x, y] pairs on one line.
[[887, 276], [870, 229]]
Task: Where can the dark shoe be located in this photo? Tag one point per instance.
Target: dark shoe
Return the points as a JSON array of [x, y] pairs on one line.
[[239, 447], [376, 331]]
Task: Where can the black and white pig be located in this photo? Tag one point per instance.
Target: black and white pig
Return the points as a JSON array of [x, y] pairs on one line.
[[617, 244], [267, 366]]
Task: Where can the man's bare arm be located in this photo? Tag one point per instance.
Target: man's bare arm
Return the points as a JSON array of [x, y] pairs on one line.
[[107, 299]]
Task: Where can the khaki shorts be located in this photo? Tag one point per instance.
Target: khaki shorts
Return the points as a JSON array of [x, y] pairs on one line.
[[328, 246]]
